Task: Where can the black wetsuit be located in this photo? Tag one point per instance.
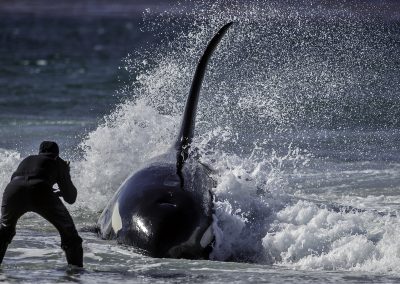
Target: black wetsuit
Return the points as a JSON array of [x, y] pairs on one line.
[[31, 189]]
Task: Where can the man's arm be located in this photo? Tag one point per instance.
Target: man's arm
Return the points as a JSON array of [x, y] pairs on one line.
[[67, 188]]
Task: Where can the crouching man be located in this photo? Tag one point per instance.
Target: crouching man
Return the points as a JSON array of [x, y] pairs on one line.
[[31, 190]]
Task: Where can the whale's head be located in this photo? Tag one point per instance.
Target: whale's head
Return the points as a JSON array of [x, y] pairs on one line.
[[155, 212]]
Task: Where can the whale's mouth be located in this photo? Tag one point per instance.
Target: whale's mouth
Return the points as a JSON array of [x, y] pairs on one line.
[[168, 200]]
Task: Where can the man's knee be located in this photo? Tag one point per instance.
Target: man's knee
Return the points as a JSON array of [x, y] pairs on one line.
[[71, 241]]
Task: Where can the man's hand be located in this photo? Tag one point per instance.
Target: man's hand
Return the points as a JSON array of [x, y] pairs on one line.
[[57, 192]]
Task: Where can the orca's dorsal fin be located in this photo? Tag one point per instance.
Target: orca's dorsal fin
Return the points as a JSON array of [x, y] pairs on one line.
[[188, 121]]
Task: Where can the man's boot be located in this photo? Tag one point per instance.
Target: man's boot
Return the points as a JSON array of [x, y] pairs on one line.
[[74, 254]]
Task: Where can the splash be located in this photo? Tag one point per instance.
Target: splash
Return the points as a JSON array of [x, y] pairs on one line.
[[309, 237], [9, 160], [131, 135], [249, 192]]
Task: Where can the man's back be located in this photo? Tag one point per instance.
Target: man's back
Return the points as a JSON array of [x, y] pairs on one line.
[[47, 170], [42, 167]]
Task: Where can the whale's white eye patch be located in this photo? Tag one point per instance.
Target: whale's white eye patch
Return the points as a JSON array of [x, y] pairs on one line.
[[116, 220]]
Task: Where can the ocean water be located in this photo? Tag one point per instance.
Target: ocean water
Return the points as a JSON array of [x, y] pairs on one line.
[[298, 118]]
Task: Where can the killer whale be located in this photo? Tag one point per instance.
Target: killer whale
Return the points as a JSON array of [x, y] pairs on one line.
[[165, 209]]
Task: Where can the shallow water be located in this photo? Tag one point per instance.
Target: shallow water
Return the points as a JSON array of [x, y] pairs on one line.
[[298, 118], [35, 256]]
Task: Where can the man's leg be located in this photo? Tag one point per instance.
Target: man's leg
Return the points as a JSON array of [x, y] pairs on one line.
[[13, 206], [53, 210], [6, 235]]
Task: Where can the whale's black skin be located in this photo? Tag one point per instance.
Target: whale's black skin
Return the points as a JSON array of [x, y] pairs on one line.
[[166, 208]]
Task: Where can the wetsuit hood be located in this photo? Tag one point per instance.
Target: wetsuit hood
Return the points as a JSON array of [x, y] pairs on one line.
[[49, 147]]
